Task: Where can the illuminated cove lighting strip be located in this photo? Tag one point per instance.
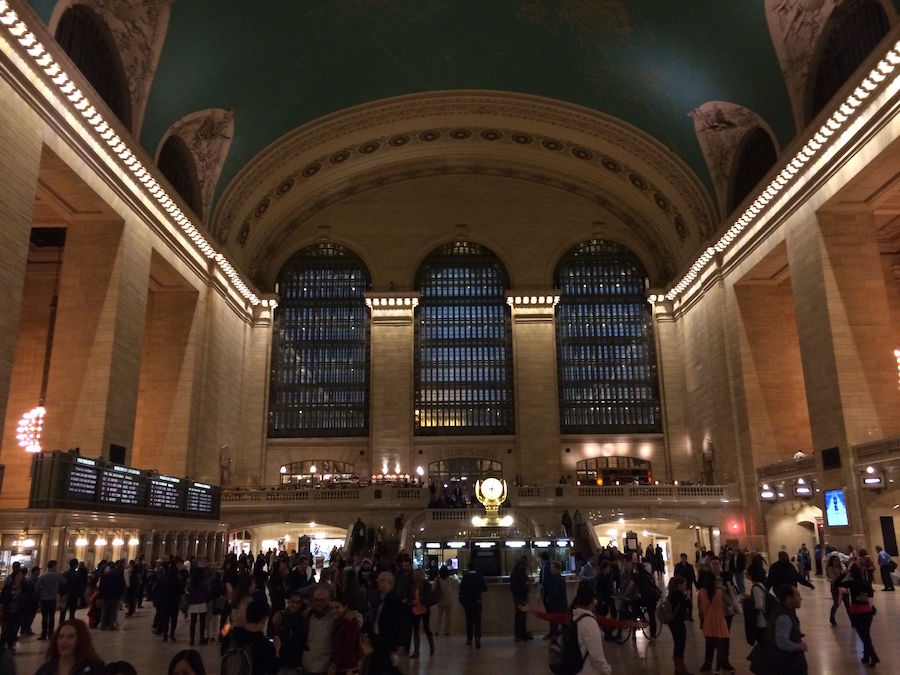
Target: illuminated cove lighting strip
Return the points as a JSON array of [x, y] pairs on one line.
[[142, 175], [842, 118]]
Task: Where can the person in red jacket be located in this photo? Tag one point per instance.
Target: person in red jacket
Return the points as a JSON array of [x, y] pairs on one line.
[[345, 639]]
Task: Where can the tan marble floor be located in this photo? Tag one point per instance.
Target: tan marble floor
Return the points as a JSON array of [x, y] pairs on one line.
[[834, 651]]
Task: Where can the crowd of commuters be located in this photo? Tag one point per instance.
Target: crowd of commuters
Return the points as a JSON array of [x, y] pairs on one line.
[[288, 615]]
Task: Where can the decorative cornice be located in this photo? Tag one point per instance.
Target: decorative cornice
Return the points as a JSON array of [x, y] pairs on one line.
[[484, 117], [587, 186]]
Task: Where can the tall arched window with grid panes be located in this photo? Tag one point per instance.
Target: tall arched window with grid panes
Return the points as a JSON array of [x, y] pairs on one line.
[[320, 346], [606, 353], [464, 382]]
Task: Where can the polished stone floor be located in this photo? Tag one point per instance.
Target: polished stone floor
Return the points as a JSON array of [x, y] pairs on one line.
[[834, 651]]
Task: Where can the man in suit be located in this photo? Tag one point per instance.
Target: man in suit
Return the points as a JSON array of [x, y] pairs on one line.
[[384, 627], [686, 570]]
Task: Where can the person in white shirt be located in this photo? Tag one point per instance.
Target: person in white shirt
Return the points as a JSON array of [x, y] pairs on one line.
[[590, 641]]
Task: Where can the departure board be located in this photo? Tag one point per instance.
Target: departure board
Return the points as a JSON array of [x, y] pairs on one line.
[[165, 493], [83, 479], [68, 480], [199, 498], [121, 485]]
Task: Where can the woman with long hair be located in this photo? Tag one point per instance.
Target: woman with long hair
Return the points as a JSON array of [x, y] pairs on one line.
[[714, 601], [421, 611], [678, 600], [14, 599], [198, 599], [187, 662], [861, 610], [71, 650]]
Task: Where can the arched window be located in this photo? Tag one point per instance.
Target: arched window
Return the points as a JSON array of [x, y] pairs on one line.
[[177, 164], [754, 160], [320, 346], [88, 42], [613, 471], [857, 27], [463, 344], [604, 336]]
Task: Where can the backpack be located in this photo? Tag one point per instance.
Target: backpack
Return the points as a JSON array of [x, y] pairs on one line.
[[665, 612], [564, 654], [749, 607], [237, 661], [648, 592]]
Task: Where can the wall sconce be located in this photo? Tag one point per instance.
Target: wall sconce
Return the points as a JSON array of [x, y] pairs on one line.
[[802, 489], [872, 479], [133, 541], [767, 494], [118, 541], [100, 542], [81, 540]]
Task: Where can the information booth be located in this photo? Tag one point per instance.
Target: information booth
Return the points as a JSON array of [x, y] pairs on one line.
[[494, 557]]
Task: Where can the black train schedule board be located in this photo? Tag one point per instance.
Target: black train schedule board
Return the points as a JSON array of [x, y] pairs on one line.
[[62, 479]]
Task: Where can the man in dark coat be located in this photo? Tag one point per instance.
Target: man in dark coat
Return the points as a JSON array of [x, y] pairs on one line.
[[555, 600], [384, 628], [686, 570], [783, 572], [519, 586], [471, 589]]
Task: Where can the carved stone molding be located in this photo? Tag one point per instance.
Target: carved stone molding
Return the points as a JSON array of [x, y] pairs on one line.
[[139, 30], [208, 134], [796, 27], [721, 127], [269, 244], [538, 124]]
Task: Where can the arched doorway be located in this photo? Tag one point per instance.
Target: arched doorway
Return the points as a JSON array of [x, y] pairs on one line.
[[451, 482]]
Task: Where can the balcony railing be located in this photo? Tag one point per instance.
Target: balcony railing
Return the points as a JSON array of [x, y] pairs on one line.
[[878, 451], [790, 468]]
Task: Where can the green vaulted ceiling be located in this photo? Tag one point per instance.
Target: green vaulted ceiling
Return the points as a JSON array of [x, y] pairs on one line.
[[282, 64]]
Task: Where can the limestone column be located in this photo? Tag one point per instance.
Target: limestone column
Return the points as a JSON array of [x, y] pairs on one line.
[[20, 156], [95, 366], [249, 461], [536, 387], [847, 347], [391, 375], [680, 464]]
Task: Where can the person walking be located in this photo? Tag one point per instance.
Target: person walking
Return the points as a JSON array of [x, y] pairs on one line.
[[73, 591], [421, 612], [46, 589], [834, 572], [861, 611], [470, 591], [785, 634], [383, 627], [446, 590], [567, 523]]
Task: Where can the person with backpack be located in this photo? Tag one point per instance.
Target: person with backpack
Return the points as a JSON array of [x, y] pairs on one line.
[[783, 651], [247, 650], [758, 608], [678, 607], [583, 635]]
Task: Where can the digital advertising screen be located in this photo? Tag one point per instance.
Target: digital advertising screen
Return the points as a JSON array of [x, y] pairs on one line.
[[836, 508]]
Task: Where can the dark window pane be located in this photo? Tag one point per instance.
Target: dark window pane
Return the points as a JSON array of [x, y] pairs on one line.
[[858, 26], [606, 354], [320, 346], [463, 344], [756, 158], [177, 164], [88, 42]]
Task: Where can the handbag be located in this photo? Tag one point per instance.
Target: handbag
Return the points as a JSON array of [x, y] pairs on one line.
[[364, 648], [183, 605]]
